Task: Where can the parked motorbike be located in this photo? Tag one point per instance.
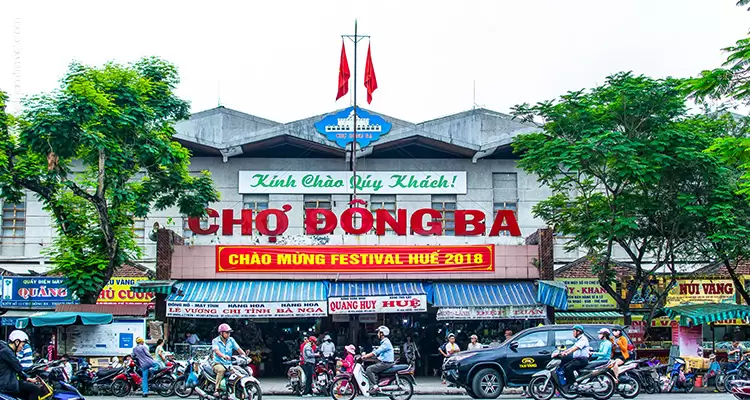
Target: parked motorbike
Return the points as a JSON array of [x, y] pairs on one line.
[[185, 383], [92, 383], [51, 378], [237, 383], [395, 383], [741, 389], [680, 377], [129, 380], [296, 377], [595, 380], [650, 373], [740, 373], [323, 377]]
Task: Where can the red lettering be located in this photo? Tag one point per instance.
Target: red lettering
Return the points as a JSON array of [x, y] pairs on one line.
[[312, 220], [228, 222], [417, 220], [511, 226], [194, 224], [347, 220], [282, 221], [384, 217], [476, 222]]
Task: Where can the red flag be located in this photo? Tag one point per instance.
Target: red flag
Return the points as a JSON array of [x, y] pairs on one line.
[[343, 74], [370, 82]]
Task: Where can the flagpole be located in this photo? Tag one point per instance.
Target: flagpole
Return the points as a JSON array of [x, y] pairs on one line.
[[353, 162]]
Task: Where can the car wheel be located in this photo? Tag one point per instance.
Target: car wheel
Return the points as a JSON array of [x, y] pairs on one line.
[[471, 393], [487, 384]]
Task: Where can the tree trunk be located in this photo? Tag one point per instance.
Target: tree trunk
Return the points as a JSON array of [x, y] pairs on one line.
[[739, 286]]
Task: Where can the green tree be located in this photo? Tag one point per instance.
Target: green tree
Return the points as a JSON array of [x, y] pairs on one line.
[[98, 152], [620, 160]]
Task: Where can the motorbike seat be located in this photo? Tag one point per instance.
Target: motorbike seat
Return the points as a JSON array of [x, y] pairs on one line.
[[595, 364], [209, 371], [396, 368], [105, 372]]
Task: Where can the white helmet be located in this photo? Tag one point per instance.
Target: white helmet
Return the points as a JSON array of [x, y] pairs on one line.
[[384, 329], [605, 330], [18, 335]]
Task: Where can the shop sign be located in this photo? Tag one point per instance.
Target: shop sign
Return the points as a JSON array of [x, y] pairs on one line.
[[355, 259], [319, 221], [666, 322], [377, 304], [483, 313], [344, 182], [368, 318], [118, 291], [36, 292], [637, 332], [247, 310], [339, 127], [340, 318], [590, 320], [701, 291], [587, 294]]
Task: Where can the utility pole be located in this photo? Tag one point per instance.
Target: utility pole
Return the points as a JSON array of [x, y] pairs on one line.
[[353, 162]]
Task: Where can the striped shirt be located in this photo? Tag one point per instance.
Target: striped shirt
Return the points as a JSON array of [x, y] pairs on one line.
[[26, 357]]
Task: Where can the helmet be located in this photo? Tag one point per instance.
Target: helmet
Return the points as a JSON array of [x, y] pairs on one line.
[[313, 339], [384, 329], [224, 328], [18, 335], [327, 338], [604, 330], [474, 337], [578, 328], [351, 349]]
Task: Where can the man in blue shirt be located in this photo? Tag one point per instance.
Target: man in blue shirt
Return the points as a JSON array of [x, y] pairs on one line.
[[384, 353], [223, 347]]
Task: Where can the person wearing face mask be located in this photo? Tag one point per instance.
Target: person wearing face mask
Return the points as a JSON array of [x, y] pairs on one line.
[[11, 370], [620, 352], [580, 352], [474, 344], [605, 346]]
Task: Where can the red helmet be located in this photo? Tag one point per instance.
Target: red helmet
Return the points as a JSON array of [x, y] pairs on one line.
[[313, 339], [224, 328]]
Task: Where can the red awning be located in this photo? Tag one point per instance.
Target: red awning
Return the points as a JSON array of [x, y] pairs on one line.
[[117, 310]]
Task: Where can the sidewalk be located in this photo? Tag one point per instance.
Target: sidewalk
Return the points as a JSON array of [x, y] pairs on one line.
[[425, 385]]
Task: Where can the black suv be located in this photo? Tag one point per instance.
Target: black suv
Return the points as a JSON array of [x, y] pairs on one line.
[[484, 373]]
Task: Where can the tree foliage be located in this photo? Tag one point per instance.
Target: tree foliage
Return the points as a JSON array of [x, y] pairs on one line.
[[624, 161], [98, 152]]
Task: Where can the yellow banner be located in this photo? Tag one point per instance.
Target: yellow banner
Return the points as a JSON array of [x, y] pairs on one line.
[[118, 292], [701, 291], [587, 294]]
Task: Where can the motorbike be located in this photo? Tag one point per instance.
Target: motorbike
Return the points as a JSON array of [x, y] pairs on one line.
[[323, 376], [739, 373], [741, 389], [629, 381], [595, 380], [296, 377], [395, 383], [680, 378], [185, 382], [92, 383], [650, 375], [237, 383], [51, 378], [160, 381]]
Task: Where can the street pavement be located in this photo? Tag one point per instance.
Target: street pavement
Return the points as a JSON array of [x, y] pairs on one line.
[[663, 396]]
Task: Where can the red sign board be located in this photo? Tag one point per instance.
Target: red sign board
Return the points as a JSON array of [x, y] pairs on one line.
[[355, 259]]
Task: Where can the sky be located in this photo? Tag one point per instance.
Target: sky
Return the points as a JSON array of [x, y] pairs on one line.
[[279, 59]]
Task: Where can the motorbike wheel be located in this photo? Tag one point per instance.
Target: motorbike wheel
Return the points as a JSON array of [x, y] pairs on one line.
[[672, 384], [406, 390], [251, 391], [729, 380], [689, 385], [343, 388], [538, 391], [608, 387], [719, 382], [181, 388], [164, 386], [121, 388], [635, 387], [648, 384]]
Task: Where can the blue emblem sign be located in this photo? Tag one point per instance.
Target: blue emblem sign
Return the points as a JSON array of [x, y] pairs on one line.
[[339, 127]]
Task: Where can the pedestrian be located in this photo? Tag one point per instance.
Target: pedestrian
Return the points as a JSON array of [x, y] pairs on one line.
[[191, 338], [24, 353], [161, 356], [146, 362], [67, 367], [474, 344], [508, 335], [446, 350], [308, 364], [328, 348], [409, 351]]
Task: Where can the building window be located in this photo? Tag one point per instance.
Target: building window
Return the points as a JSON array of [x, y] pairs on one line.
[[383, 202], [139, 228], [505, 194], [257, 203], [316, 201], [14, 220], [186, 232], [446, 204]]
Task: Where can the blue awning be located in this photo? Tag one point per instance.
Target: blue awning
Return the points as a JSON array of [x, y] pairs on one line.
[[358, 289], [484, 294], [248, 291], [554, 294]]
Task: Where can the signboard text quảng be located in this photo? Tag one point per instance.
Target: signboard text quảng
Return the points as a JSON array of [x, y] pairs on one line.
[[343, 182], [701, 291], [377, 304], [118, 291], [36, 292], [587, 294], [355, 259], [302, 309], [424, 221]]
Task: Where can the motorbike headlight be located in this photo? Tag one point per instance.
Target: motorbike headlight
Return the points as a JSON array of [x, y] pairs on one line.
[[459, 357]]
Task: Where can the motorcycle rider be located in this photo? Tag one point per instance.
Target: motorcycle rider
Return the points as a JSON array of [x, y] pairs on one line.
[[23, 349], [605, 346], [580, 352], [620, 351], [384, 353], [10, 369], [223, 347]]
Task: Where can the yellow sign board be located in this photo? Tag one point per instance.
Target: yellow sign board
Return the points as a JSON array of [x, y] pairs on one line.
[[587, 294], [701, 291], [118, 292]]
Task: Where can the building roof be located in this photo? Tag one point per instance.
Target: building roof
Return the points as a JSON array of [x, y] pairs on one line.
[[581, 268], [134, 270], [718, 269], [117, 310]]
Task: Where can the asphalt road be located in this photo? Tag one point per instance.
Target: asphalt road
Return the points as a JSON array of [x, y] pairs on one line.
[[664, 396]]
